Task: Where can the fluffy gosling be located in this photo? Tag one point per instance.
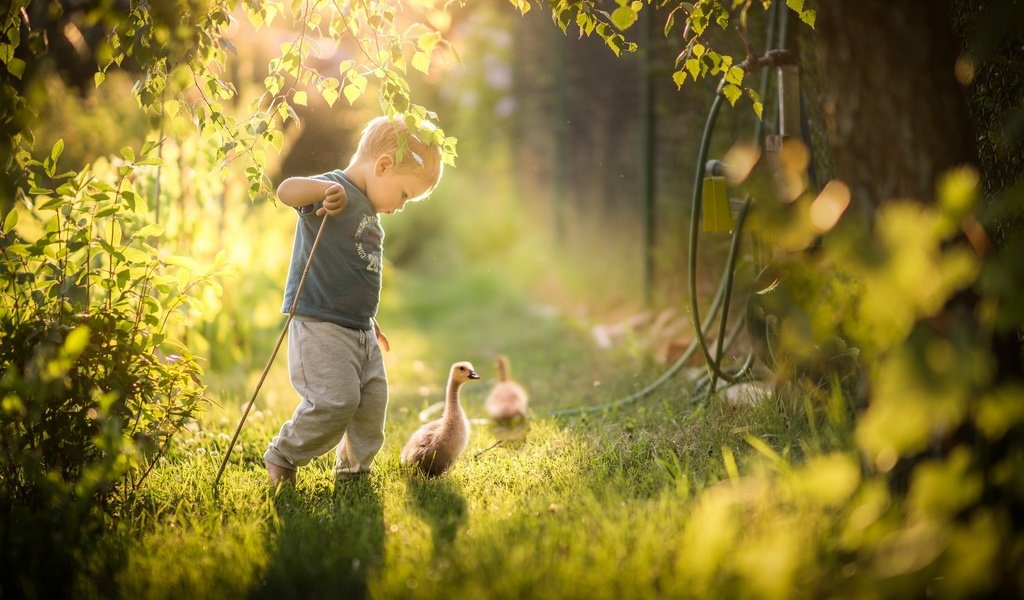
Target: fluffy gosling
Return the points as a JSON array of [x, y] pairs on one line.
[[507, 400], [434, 447]]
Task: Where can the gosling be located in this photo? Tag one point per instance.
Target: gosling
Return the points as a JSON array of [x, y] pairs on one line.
[[434, 447], [507, 401]]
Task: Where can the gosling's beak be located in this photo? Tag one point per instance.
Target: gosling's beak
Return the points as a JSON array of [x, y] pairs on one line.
[[473, 375]]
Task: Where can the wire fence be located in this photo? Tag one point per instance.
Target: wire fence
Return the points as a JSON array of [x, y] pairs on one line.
[[605, 149]]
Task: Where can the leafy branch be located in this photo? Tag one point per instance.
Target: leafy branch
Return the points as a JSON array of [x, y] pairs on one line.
[[692, 23]]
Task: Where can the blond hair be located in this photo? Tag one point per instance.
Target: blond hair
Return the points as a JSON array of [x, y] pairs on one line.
[[383, 135]]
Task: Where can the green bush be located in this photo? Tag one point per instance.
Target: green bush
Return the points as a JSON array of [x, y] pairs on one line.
[[93, 389], [931, 495]]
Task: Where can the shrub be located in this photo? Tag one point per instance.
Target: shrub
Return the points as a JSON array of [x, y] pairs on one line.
[[93, 389]]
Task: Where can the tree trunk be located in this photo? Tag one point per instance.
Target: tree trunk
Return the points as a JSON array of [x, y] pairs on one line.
[[895, 114]]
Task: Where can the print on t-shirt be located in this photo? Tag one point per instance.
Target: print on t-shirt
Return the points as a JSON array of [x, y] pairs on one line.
[[368, 237]]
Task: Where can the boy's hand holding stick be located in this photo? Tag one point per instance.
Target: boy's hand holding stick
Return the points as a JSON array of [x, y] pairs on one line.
[[335, 200]]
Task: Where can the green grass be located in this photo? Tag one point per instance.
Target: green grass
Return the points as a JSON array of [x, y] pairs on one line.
[[592, 507]]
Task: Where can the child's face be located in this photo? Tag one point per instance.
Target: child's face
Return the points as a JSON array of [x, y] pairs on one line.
[[390, 188]]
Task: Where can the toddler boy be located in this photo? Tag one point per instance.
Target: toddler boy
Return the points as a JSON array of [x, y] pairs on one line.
[[334, 343]]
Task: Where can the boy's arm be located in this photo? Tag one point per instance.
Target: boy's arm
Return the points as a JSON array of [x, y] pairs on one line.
[[303, 191]]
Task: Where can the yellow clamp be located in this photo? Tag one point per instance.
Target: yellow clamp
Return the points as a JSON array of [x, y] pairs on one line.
[[717, 214]]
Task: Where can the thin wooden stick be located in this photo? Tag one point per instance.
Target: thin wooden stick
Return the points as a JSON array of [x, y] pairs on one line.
[[273, 355]]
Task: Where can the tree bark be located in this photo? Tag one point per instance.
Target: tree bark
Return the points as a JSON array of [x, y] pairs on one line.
[[895, 114]]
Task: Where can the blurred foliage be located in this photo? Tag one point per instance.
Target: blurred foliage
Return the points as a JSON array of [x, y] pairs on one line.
[[940, 434]]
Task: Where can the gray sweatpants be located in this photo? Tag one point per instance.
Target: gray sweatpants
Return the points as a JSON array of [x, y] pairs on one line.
[[339, 373]]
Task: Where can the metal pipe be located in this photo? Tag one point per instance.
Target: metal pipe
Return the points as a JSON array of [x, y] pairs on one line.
[[647, 153], [789, 101]]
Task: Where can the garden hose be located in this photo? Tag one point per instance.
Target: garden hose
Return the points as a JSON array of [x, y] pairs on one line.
[[716, 304], [724, 293], [733, 253], [273, 355], [705, 378]]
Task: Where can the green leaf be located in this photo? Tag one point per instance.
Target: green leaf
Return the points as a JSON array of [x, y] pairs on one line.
[[19, 249], [352, 93], [184, 262], [99, 77], [669, 22], [693, 66], [136, 256], [756, 99], [50, 203], [273, 83], [152, 229], [623, 17], [581, 21], [16, 67], [613, 43], [76, 341], [679, 77], [421, 61], [128, 154], [522, 5], [11, 221], [330, 95], [277, 138], [732, 93], [722, 19], [428, 41], [300, 98], [734, 75], [106, 211], [355, 89]]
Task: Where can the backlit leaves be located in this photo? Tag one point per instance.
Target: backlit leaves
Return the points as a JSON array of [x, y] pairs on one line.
[[806, 15], [625, 15], [590, 20], [698, 58], [186, 71]]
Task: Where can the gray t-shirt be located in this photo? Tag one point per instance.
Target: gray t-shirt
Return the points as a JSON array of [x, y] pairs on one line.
[[343, 285]]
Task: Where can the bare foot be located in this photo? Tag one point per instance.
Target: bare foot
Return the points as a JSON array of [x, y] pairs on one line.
[[279, 475]]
